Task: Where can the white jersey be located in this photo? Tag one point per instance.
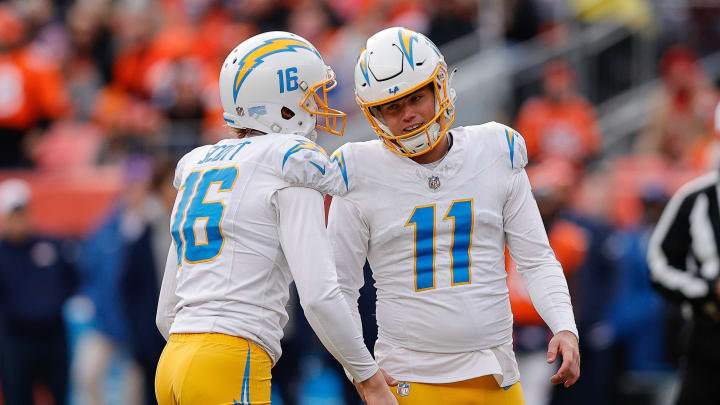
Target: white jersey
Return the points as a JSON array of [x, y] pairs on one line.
[[434, 236], [227, 271]]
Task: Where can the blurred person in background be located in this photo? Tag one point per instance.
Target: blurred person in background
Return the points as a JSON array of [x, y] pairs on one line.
[[552, 182], [637, 316], [449, 20], [36, 277], [681, 116], [89, 57], [110, 253], [560, 123], [32, 90], [143, 266], [685, 266], [591, 285]]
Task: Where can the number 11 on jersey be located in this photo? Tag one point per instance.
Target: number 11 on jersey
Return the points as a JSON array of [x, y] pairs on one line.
[[423, 219]]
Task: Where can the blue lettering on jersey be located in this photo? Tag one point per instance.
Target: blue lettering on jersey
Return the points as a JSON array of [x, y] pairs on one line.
[[220, 152], [339, 158], [510, 136], [239, 147]]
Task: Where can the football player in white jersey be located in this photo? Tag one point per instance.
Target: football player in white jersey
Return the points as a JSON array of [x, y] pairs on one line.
[[431, 209], [248, 220]]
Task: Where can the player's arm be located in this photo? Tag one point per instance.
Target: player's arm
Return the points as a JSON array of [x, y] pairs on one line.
[[529, 247], [541, 272], [349, 236], [304, 240], [168, 300], [543, 276]]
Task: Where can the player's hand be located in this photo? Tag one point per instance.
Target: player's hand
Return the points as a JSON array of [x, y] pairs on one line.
[[375, 391], [389, 380], [566, 345]]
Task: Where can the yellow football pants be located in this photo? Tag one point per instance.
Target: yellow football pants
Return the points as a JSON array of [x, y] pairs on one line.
[[477, 391], [212, 369]]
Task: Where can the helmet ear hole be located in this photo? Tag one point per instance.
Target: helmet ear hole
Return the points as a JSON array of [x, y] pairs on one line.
[[287, 113]]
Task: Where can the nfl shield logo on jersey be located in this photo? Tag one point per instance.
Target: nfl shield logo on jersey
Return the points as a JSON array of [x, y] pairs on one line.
[[433, 182], [403, 389]]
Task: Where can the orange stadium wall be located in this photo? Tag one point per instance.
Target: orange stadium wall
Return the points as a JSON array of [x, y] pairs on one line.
[[69, 204]]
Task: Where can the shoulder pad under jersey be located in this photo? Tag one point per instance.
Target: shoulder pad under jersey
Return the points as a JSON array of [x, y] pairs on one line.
[[303, 163]]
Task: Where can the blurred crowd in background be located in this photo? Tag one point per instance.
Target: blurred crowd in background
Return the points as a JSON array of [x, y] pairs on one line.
[[100, 98]]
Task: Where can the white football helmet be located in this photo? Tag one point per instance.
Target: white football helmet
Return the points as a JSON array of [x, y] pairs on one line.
[[277, 82], [394, 63]]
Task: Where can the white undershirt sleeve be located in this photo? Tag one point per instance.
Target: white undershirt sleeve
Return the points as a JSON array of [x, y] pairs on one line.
[[530, 249], [304, 241]]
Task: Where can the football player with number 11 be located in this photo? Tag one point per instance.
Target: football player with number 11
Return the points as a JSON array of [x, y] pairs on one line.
[[431, 209]]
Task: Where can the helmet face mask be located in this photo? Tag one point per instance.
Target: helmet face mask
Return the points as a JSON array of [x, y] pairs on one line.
[[395, 63], [327, 118], [277, 82]]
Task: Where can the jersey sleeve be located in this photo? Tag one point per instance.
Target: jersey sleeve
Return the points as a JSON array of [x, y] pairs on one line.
[[168, 299], [303, 163], [349, 236], [512, 144], [311, 263], [180, 170], [528, 242]]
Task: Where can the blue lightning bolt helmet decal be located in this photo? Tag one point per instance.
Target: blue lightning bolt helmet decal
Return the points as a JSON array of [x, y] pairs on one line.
[[407, 38], [256, 56], [363, 66]]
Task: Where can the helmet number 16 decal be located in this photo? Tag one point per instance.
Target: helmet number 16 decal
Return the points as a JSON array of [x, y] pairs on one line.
[[290, 81]]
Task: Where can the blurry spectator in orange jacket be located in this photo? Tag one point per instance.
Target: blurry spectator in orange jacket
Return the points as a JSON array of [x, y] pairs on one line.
[[681, 118], [560, 122], [32, 90]]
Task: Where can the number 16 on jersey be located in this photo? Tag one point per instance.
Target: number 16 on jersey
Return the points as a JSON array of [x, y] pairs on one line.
[[206, 215]]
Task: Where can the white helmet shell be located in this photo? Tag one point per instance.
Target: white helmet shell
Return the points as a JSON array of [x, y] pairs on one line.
[[277, 82], [395, 63]]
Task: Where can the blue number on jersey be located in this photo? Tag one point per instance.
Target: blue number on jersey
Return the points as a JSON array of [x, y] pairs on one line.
[[187, 190], [461, 211], [423, 218], [211, 212]]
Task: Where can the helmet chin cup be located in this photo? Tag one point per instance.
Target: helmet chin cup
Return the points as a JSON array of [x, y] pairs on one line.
[[420, 143]]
